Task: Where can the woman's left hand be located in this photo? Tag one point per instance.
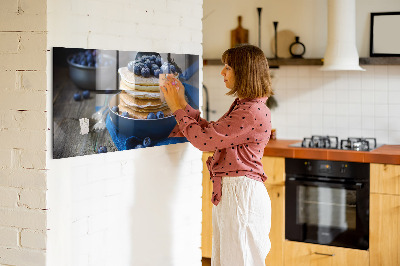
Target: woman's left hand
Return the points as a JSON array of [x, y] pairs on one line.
[[170, 91]]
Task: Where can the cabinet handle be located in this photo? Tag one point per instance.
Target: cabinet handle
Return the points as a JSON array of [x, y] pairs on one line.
[[325, 254]]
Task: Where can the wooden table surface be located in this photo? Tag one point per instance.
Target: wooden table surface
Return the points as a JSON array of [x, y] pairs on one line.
[[67, 140]]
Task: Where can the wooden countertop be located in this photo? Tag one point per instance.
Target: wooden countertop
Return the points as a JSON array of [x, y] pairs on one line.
[[389, 154]]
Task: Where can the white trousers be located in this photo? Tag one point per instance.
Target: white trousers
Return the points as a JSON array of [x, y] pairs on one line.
[[241, 223]]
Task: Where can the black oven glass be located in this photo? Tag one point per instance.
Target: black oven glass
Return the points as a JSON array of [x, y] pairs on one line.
[[326, 204]]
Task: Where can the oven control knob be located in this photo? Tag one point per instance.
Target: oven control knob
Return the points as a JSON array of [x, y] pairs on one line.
[[343, 168]]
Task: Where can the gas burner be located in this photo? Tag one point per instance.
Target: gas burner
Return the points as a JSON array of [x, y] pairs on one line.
[[327, 142], [358, 144]]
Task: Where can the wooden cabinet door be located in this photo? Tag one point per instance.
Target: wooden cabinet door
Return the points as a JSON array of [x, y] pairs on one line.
[[385, 178], [274, 168], [206, 232], [305, 254], [384, 236], [277, 233]]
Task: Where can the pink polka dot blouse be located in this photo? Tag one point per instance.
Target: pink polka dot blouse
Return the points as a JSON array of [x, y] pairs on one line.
[[238, 139]]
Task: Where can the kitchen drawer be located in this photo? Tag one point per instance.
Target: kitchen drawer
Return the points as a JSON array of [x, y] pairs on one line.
[[385, 178], [305, 254]]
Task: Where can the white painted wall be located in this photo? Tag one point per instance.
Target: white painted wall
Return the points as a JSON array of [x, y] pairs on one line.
[[311, 102], [136, 207]]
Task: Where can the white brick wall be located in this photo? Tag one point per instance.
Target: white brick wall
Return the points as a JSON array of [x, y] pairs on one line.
[[23, 132], [136, 207]]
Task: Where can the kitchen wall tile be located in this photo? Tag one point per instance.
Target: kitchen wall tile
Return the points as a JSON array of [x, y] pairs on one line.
[[329, 121], [355, 122], [394, 97], [367, 133], [304, 82], [355, 96], [342, 109], [317, 107], [367, 82], [355, 132], [380, 71], [368, 122], [382, 110], [329, 109], [380, 84], [381, 97], [394, 83], [367, 96], [328, 74], [292, 83], [381, 136], [394, 123], [342, 80], [394, 110], [381, 123], [342, 133], [354, 80], [342, 122], [394, 71], [315, 72], [342, 96], [355, 109], [292, 71], [367, 110], [394, 137]]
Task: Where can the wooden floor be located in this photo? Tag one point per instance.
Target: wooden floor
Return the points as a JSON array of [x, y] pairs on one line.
[[206, 261]]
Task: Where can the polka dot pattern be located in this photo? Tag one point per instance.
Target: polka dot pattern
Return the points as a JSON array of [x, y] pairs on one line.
[[238, 139]]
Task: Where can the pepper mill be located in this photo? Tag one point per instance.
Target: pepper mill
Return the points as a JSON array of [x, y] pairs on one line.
[[276, 38]]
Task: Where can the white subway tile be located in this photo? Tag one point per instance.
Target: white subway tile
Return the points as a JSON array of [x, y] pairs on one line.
[[368, 110], [393, 70], [355, 122], [382, 136], [291, 71], [394, 123], [367, 123], [381, 97], [394, 97], [292, 83], [380, 71], [355, 96], [342, 97], [367, 96], [342, 109], [382, 110], [355, 132], [394, 83], [381, 123], [355, 109], [394, 137], [380, 84], [304, 72], [329, 109], [394, 110]]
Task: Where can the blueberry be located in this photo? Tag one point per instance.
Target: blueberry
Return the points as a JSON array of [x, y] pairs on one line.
[[86, 94], [148, 63], [172, 69], [138, 69], [102, 149], [160, 114], [147, 142], [115, 109], [125, 114], [77, 96], [157, 73], [151, 115], [139, 146], [153, 68], [153, 57], [145, 72], [131, 65], [158, 61]]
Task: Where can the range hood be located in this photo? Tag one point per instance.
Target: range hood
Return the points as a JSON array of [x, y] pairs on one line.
[[341, 51]]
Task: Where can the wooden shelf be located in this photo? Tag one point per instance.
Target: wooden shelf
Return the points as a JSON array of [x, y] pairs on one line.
[[274, 63]]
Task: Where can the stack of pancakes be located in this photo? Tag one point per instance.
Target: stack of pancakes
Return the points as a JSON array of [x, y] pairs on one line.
[[140, 95]]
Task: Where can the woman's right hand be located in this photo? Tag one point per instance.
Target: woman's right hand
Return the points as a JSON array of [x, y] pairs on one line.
[[181, 89]]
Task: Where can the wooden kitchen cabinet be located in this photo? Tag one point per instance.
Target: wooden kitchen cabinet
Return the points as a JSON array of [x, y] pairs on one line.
[[385, 178], [306, 254], [274, 168], [384, 236]]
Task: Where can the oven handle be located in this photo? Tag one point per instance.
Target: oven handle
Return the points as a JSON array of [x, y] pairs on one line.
[[357, 185]]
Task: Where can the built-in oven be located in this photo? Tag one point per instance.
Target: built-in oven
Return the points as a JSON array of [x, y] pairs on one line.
[[327, 202]]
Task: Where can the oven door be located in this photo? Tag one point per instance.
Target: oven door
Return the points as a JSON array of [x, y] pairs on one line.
[[327, 213]]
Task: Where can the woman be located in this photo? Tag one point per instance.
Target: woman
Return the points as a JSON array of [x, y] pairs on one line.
[[241, 213]]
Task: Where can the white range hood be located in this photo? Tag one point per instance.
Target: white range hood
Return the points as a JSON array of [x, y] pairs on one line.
[[341, 51]]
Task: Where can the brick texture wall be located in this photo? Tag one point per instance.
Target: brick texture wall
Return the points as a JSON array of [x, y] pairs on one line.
[[23, 40], [123, 208]]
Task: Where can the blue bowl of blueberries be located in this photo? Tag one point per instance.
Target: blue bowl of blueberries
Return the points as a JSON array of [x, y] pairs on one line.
[[155, 127], [83, 66]]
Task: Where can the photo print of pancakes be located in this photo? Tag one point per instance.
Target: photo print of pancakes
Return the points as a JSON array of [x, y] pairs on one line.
[[116, 95]]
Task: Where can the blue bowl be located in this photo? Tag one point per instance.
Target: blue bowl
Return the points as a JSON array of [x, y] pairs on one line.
[[156, 129]]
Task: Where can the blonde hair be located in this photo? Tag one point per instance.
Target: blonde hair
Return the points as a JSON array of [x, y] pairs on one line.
[[250, 66]]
